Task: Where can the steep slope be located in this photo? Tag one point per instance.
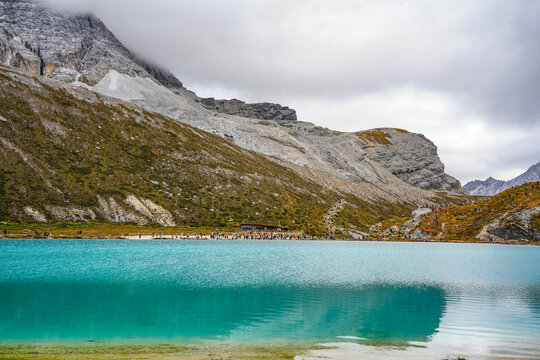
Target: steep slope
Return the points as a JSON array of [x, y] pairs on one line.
[[491, 186], [69, 154], [513, 215], [81, 49]]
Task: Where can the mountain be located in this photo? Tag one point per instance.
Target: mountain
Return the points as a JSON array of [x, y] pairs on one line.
[[85, 73], [491, 186], [513, 215]]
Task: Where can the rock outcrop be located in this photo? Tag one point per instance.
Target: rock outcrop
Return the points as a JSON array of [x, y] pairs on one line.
[[409, 229], [512, 227], [152, 211], [111, 211], [492, 186], [263, 111], [411, 157]]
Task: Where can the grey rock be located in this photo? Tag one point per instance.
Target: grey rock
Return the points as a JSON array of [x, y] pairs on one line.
[[263, 111], [492, 186], [112, 211], [409, 228], [514, 227], [71, 213], [411, 157], [419, 234], [34, 214], [418, 213]]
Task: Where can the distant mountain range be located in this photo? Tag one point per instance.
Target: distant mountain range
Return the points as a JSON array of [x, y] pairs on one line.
[[492, 186]]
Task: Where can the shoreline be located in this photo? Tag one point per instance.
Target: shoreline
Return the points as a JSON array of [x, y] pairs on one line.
[[207, 238]]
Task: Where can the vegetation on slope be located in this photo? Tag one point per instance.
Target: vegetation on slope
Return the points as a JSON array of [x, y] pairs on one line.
[[374, 136], [65, 148], [465, 222]]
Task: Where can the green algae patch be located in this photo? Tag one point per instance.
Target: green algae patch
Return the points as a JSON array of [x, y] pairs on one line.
[[159, 351]]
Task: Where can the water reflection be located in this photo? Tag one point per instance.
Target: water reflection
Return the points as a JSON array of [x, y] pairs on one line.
[[64, 311]]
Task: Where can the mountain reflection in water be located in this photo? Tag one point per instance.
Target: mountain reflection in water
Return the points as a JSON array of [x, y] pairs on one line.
[[142, 310]]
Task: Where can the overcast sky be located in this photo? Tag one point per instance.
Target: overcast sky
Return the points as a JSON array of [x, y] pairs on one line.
[[464, 73]]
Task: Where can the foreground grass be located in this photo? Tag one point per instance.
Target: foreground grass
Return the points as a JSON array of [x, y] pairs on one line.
[[161, 351]]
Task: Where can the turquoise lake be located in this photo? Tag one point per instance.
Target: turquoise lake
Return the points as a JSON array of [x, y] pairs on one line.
[[481, 299]]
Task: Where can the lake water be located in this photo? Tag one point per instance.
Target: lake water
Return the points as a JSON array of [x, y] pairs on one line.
[[481, 300]]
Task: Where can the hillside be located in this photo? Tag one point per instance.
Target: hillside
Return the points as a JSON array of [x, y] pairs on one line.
[[491, 186], [513, 215]]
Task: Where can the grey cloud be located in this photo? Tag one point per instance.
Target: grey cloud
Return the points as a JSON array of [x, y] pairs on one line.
[[487, 53]]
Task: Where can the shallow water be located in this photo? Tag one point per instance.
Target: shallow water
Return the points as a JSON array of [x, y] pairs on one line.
[[470, 298]]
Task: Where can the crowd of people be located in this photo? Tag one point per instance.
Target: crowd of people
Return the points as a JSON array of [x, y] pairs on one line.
[[234, 236]]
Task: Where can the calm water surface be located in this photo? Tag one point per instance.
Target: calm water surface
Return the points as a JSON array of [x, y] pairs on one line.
[[479, 299]]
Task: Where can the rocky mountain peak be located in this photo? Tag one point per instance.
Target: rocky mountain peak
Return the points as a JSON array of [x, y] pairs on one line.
[[70, 48], [411, 157]]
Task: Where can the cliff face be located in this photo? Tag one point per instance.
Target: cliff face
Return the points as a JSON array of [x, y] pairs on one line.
[[70, 48], [491, 186], [411, 157], [81, 50]]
